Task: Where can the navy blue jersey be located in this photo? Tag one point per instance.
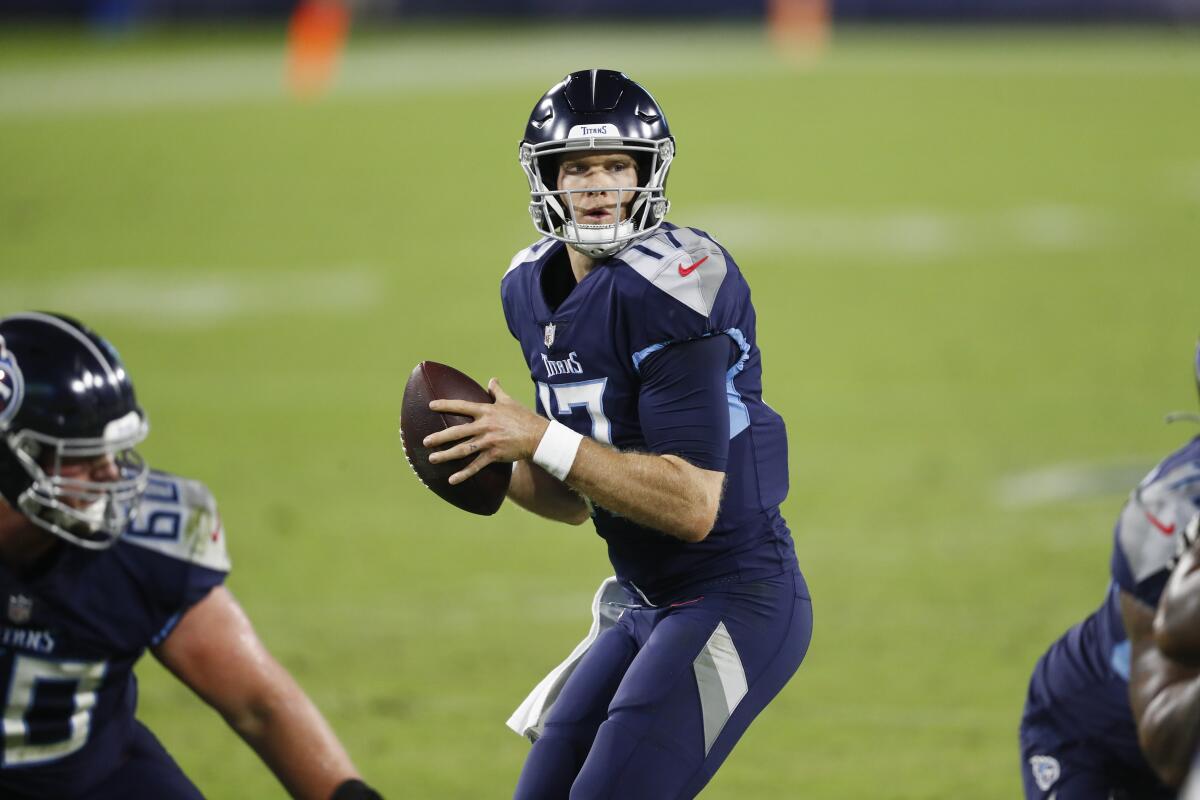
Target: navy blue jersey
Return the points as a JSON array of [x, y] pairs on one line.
[[588, 356], [75, 626], [1083, 679]]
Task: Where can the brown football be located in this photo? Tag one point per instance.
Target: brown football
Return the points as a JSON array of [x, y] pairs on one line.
[[483, 492]]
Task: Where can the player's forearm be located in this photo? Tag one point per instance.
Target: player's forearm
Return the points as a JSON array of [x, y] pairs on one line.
[[1169, 729], [533, 489], [295, 742], [1174, 631], [659, 492]]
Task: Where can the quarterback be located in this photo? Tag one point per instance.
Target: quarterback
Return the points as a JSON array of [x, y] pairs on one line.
[[1102, 683], [641, 344], [102, 558]]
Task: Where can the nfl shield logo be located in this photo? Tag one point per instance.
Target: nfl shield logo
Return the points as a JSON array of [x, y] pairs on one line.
[[549, 338], [20, 608]]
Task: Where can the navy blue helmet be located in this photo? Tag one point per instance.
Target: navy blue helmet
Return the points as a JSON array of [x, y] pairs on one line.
[[66, 401], [601, 110]]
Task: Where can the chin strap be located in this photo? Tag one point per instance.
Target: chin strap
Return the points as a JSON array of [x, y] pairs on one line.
[[1183, 416], [14, 480], [597, 241]]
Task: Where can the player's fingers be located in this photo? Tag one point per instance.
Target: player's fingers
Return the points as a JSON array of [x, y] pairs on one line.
[[497, 391], [464, 407], [461, 450], [470, 469], [452, 434]]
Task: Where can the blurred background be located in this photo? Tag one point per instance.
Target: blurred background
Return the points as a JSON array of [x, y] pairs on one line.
[[971, 229]]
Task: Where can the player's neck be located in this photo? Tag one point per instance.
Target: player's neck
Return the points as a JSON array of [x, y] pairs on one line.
[[581, 265], [22, 543]]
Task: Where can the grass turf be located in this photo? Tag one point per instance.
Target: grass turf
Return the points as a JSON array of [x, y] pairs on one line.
[[973, 256]]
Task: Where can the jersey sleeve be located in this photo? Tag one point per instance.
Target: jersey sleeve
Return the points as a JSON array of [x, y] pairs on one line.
[[1139, 562], [682, 405], [690, 287], [507, 290], [179, 545], [1152, 520], [514, 287]]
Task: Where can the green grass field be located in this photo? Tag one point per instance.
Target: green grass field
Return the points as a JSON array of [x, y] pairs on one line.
[[974, 257]]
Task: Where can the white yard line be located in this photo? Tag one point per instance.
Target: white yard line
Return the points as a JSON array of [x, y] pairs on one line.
[[1057, 226], [1063, 482], [202, 300], [1185, 179], [903, 235], [404, 66]]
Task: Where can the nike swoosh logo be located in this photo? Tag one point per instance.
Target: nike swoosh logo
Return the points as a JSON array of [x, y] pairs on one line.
[[1167, 530], [684, 272]]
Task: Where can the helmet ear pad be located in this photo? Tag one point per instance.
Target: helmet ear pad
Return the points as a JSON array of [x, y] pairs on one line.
[[15, 480], [547, 168], [644, 163]]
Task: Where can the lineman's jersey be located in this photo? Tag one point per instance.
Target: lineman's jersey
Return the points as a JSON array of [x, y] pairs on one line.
[[1083, 680], [73, 629], [586, 356]]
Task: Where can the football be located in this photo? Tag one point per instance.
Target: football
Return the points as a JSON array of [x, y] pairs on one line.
[[483, 492]]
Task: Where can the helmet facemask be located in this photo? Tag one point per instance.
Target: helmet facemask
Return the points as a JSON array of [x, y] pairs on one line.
[[87, 513], [554, 214]]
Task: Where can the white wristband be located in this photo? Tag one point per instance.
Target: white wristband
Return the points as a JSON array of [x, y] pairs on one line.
[[556, 451]]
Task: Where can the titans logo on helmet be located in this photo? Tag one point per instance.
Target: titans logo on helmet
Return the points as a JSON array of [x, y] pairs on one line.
[[12, 386]]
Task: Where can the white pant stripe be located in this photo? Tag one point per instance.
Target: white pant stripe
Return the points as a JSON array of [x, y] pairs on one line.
[[721, 681]]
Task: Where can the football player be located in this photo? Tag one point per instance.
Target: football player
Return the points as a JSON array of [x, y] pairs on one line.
[[1079, 732], [1164, 679], [102, 558], [641, 343]]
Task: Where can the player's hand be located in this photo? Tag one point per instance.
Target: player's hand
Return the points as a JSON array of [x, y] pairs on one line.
[[1186, 541], [503, 431]]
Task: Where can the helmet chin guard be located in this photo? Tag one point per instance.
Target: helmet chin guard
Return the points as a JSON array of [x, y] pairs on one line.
[[597, 111], [598, 241]]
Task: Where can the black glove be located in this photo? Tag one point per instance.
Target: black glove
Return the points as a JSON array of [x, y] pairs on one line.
[[354, 789]]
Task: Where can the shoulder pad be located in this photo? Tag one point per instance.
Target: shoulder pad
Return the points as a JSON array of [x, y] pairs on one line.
[[1157, 511], [684, 263], [178, 518], [529, 254]]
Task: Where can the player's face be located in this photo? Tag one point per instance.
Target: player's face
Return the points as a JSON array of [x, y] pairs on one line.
[[599, 174], [96, 469]]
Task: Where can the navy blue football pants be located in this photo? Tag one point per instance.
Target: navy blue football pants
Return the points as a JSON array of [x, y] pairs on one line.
[[146, 771], [661, 698]]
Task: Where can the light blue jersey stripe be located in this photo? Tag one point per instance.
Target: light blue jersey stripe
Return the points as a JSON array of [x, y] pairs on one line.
[[739, 415]]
